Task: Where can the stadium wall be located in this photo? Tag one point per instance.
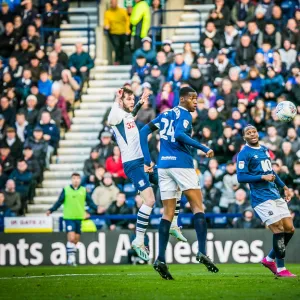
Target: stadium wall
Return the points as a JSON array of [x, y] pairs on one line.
[[223, 246]]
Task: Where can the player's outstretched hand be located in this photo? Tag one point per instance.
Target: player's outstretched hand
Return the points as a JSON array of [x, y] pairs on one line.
[[269, 177], [48, 213], [210, 153], [119, 95], [287, 194]]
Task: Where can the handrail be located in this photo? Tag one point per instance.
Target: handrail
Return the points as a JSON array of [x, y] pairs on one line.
[[133, 217], [154, 29]]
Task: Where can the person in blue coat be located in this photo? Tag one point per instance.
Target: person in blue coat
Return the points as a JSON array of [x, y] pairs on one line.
[[179, 63], [236, 122], [146, 51], [45, 84]]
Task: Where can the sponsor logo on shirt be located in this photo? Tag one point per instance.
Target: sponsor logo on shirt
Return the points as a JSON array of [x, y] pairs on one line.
[[141, 183], [186, 123], [168, 158], [241, 164]]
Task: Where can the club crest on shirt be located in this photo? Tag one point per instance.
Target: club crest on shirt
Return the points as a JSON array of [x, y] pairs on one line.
[[255, 156], [186, 123], [241, 164]]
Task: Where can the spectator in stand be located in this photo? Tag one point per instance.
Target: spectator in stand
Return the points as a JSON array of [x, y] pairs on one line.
[[6, 15], [248, 220], [155, 79], [68, 87], [7, 111], [35, 68], [117, 24], [23, 53], [45, 84], [241, 202], [196, 80], [291, 33], [245, 53], [146, 114], [211, 195], [294, 140], [30, 111], [267, 53], [6, 160], [277, 18], [208, 96], [4, 209], [212, 33], [295, 174], [90, 165], [105, 147], [6, 83], [279, 66], [13, 142], [294, 94], [28, 12], [287, 53], [271, 36], [219, 15], [51, 134], [140, 20], [141, 69], [231, 39], [24, 85], [189, 55], [7, 40], [162, 63], [242, 13], [105, 194], [221, 66], [287, 156], [33, 38], [2, 127], [54, 68], [236, 122], [145, 51], [230, 185], [52, 109], [253, 31], [167, 49], [273, 85], [22, 177], [179, 63], [38, 145], [12, 198], [205, 67], [119, 207], [165, 98], [51, 19], [246, 95], [114, 166], [14, 69], [80, 63], [62, 56], [3, 178]]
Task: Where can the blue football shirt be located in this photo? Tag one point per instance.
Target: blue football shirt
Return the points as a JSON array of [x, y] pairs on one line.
[[174, 154], [256, 161]]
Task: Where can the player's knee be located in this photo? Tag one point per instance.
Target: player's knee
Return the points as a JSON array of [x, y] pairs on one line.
[[277, 227], [289, 229]]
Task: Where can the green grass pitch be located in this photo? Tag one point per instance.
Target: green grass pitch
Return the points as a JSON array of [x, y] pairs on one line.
[[142, 282]]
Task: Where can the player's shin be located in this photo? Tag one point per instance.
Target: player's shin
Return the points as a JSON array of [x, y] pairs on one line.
[[279, 249], [201, 231], [71, 253], [175, 218], [142, 223], [163, 231]]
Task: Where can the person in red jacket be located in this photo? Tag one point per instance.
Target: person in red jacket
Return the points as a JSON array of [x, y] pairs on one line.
[[246, 95], [114, 166]]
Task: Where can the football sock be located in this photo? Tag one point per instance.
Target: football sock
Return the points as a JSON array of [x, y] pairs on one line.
[[279, 249], [142, 222], [201, 231], [71, 252], [163, 238], [287, 237], [175, 218]]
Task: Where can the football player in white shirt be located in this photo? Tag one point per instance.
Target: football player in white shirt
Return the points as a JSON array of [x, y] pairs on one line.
[[122, 120]]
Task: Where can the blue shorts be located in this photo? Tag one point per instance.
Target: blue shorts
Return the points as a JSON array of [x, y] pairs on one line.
[[73, 226], [134, 170]]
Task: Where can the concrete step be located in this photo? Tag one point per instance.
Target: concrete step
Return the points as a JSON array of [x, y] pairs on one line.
[[83, 25], [98, 75], [113, 69], [79, 151], [76, 158], [95, 105], [89, 112], [190, 17], [66, 167], [80, 33], [49, 200], [48, 191], [106, 83], [100, 91], [78, 39], [185, 38], [89, 10], [84, 120], [78, 143], [82, 19], [98, 98], [101, 62], [201, 7], [39, 208], [188, 31], [179, 47], [86, 127], [55, 183], [59, 174], [83, 4], [81, 136]]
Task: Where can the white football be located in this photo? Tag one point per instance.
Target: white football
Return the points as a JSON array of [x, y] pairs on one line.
[[286, 111]]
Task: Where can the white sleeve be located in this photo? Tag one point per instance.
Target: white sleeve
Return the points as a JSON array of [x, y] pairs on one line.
[[116, 115]]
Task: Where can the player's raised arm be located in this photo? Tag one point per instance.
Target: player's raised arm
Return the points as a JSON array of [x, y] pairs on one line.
[[140, 103], [146, 130], [116, 114]]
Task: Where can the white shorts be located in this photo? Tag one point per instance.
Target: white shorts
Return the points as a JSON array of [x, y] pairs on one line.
[[172, 179], [272, 211]]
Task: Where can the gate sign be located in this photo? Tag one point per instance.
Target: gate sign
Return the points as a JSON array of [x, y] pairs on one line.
[[28, 224]]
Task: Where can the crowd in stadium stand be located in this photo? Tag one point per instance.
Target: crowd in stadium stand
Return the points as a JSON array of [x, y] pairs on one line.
[[39, 84], [249, 60]]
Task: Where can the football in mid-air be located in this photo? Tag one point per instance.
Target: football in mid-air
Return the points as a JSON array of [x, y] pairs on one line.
[[286, 111]]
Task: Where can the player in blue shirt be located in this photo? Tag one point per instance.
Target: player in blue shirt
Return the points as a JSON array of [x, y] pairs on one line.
[[254, 167], [176, 170]]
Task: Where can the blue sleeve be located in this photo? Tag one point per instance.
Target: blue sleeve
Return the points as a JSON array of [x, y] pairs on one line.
[[90, 202], [248, 178], [181, 136], [278, 181], [59, 202], [146, 130]]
